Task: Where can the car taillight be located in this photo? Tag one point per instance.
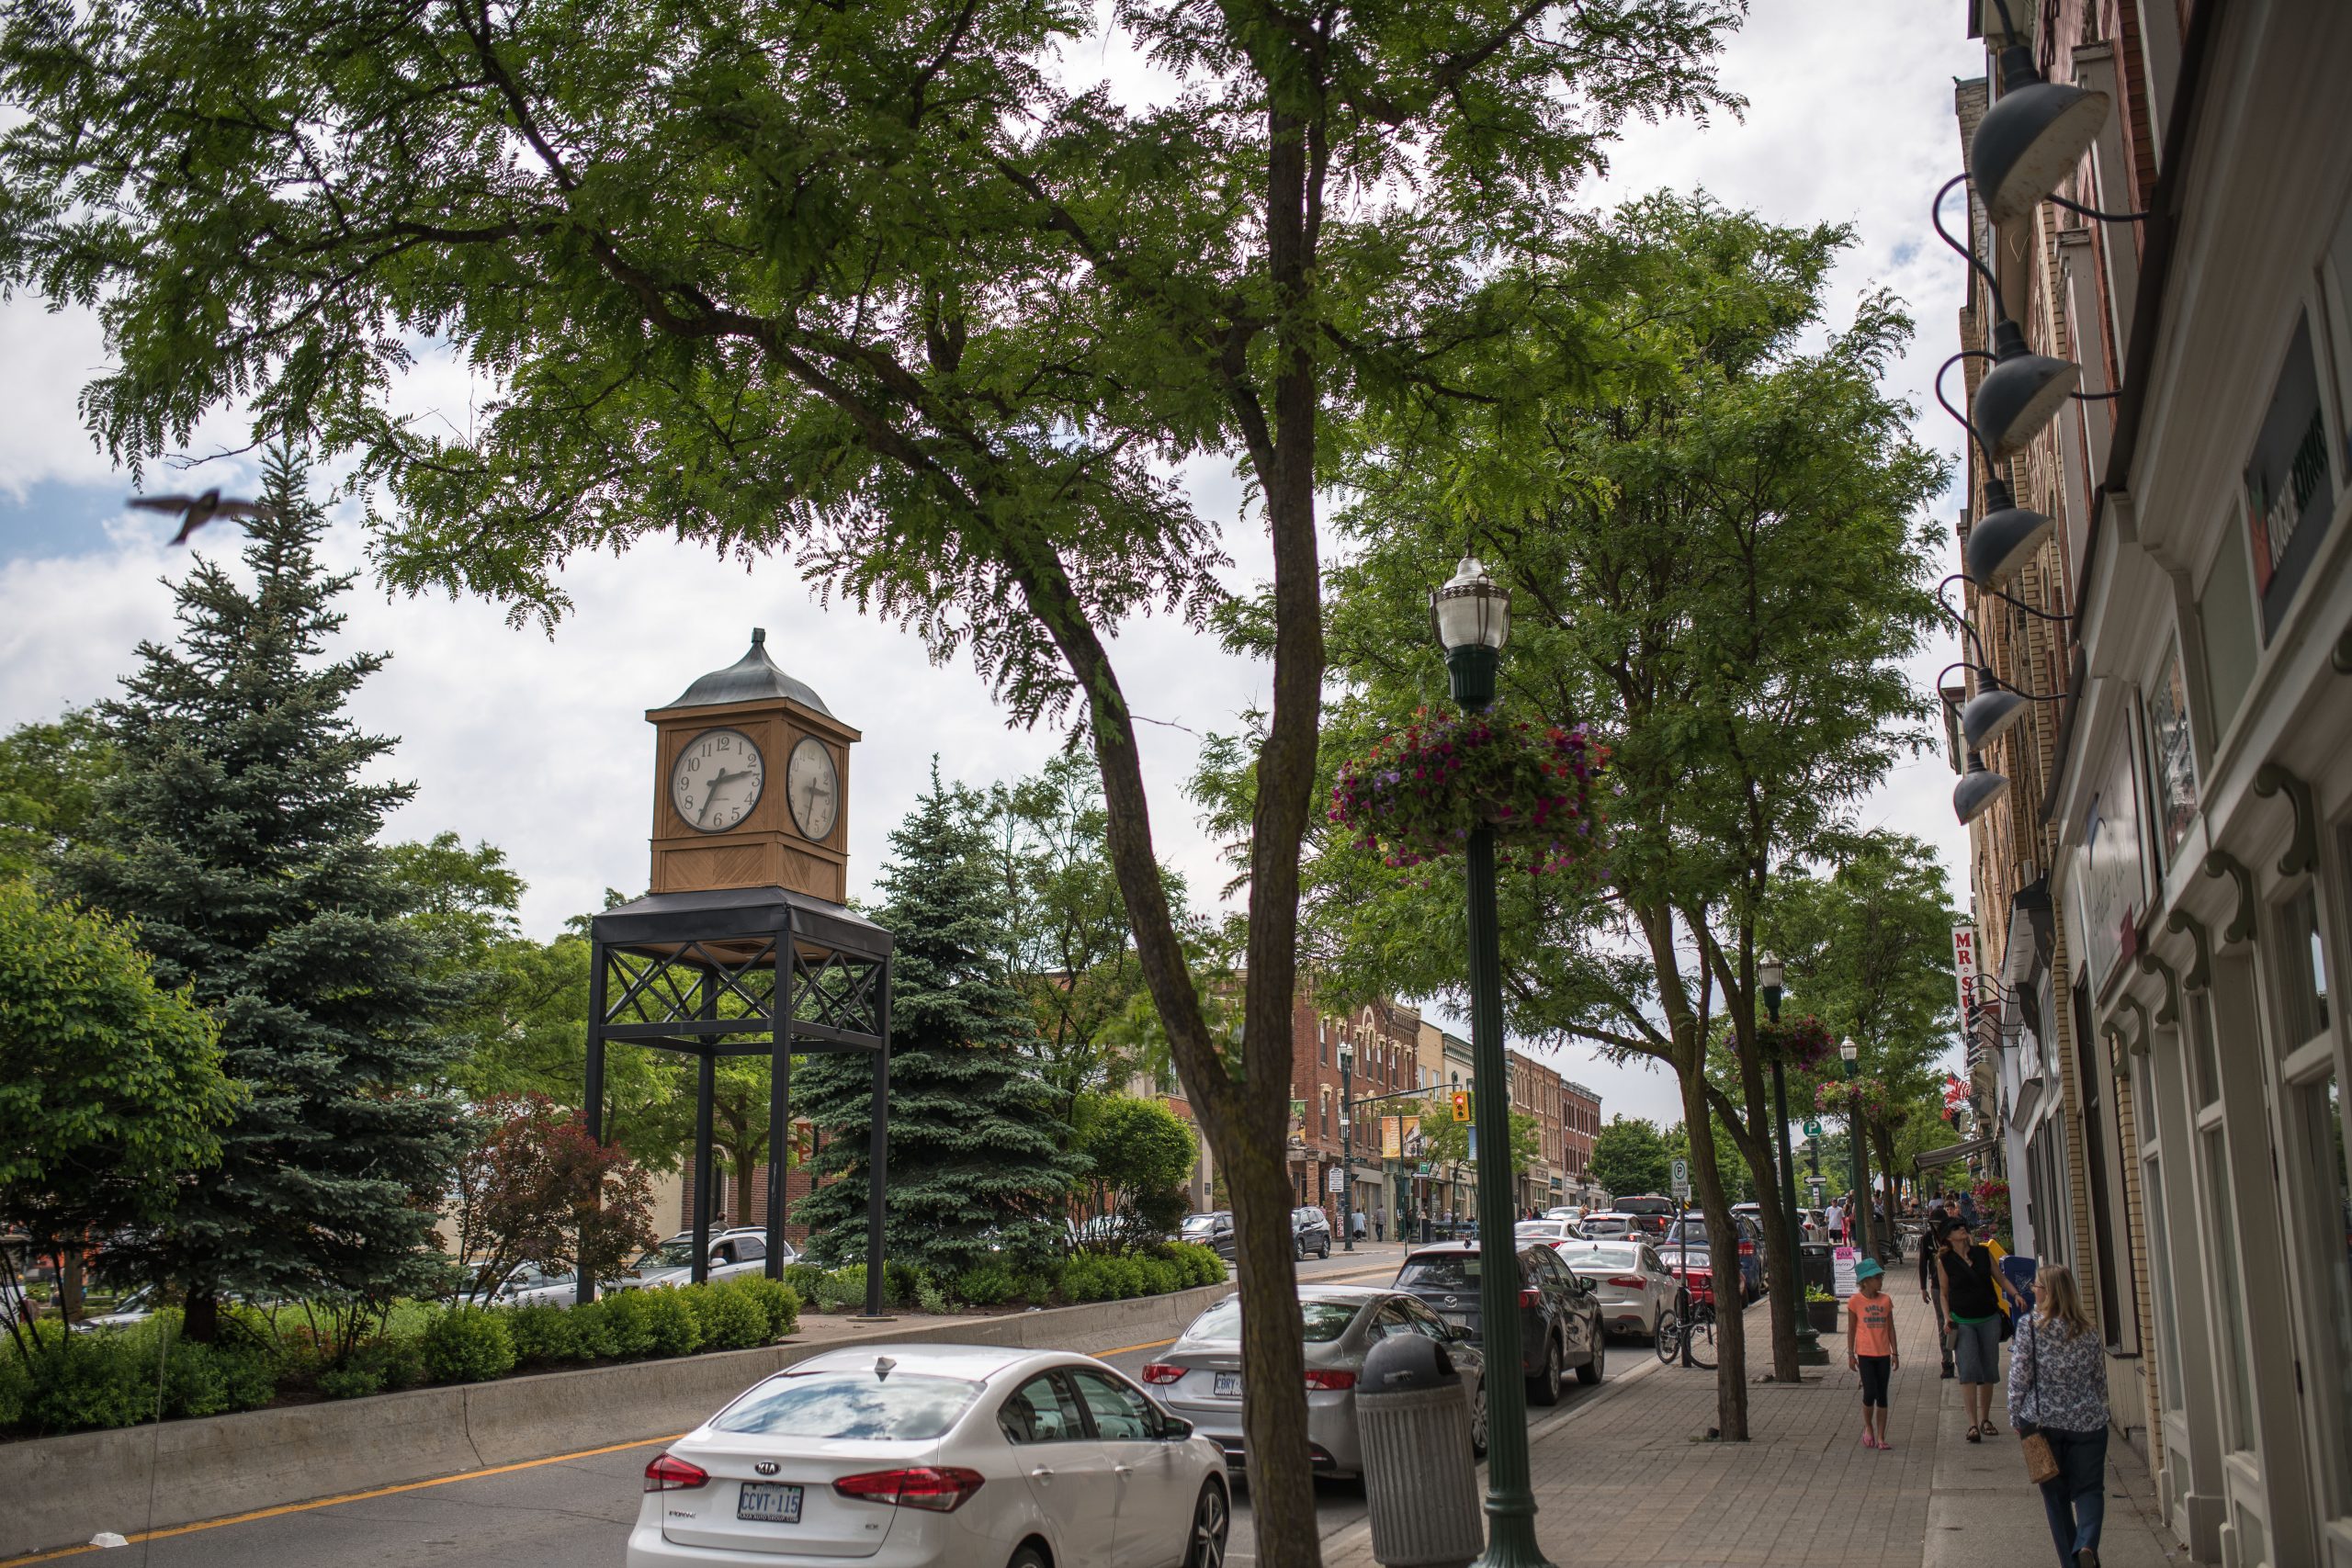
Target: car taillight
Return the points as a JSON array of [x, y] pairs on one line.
[[1160, 1371], [667, 1473], [1530, 1296], [940, 1489], [1747, 1249], [1631, 1281], [1329, 1377]]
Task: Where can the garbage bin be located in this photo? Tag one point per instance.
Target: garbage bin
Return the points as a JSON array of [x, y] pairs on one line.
[[1815, 1266], [1420, 1485]]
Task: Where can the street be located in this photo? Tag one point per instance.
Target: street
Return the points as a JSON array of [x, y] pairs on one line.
[[576, 1510]]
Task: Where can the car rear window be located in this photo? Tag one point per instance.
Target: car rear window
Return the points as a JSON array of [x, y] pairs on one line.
[[1601, 1257], [902, 1407], [1325, 1320], [1447, 1271], [1607, 1227]]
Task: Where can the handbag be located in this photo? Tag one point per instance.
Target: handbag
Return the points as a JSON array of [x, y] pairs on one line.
[[2041, 1459]]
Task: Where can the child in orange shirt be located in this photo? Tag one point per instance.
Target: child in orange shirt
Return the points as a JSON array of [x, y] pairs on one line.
[[1870, 1347]]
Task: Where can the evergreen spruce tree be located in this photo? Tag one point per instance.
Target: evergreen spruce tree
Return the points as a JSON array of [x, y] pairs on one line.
[[241, 836], [975, 1133]]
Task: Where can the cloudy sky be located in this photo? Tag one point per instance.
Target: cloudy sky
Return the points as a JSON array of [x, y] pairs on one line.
[[539, 744]]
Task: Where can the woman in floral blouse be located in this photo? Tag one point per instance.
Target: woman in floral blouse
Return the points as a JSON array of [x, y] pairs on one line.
[[2058, 1386]]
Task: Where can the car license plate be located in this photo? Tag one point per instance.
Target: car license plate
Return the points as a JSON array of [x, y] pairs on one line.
[[1227, 1385], [1459, 1319], [769, 1503]]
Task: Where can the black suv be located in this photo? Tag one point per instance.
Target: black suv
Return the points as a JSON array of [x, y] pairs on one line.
[[1310, 1231], [1559, 1317]]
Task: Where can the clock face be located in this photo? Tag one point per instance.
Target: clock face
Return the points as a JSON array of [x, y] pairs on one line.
[[812, 788], [716, 780]]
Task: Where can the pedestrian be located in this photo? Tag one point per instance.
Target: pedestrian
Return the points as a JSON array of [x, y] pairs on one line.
[[1356, 1226], [1380, 1224], [1972, 1304], [2058, 1389], [1870, 1347], [1834, 1220], [1968, 1207], [1931, 1284]]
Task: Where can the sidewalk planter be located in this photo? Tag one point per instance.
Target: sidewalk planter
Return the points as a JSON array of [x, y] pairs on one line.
[[1824, 1316]]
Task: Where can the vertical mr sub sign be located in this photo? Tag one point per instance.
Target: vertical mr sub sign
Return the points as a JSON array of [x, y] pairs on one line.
[[1963, 964]]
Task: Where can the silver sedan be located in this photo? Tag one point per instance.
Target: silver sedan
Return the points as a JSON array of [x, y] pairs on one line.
[[1629, 1282], [1199, 1379]]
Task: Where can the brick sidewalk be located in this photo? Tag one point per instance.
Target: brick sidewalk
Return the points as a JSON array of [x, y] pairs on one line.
[[1628, 1476]]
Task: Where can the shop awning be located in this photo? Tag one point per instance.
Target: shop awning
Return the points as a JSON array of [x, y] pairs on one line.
[[1952, 1152], [2028, 1096]]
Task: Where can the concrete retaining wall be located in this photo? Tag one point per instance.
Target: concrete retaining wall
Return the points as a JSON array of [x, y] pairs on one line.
[[61, 1491]]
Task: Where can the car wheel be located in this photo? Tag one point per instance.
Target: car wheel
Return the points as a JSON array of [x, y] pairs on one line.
[[1027, 1557], [1327, 1249], [1211, 1522], [1592, 1372], [1478, 1420], [1544, 1387], [1299, 1248]]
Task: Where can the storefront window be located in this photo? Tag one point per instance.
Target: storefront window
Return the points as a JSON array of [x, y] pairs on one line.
[[2319, 1107], [2172, 759], [2289, 489], [2160, 1269], [2202, 1053], [2226, 1276], [2303, 970]]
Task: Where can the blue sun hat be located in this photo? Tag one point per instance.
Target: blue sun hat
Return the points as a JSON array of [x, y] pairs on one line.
[[1868, 1269]]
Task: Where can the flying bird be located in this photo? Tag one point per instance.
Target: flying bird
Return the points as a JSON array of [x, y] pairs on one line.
[[199, 510]]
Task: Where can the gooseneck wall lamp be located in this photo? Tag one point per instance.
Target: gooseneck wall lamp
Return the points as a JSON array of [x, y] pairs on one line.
[[2032, 137]]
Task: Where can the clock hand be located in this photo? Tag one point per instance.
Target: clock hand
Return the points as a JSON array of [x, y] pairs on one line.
[[712, 794]]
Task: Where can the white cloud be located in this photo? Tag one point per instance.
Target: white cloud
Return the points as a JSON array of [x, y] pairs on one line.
[[539, 745]]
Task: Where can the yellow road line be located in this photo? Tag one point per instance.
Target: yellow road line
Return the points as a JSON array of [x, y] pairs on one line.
[[345, 1497], [1122, 1350]]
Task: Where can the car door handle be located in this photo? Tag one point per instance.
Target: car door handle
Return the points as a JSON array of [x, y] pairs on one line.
[[1123, 1469], [1041, 1474]]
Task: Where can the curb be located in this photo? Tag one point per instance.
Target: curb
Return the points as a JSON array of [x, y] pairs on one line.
[[63, 1489]]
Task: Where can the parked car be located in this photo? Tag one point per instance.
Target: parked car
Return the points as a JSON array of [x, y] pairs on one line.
[[1214, 1231], [1546, 1230], [1750, 1247], [527, 1284], [1644, 1203], [1310, 1231], [1571, 1212], [1199, 1376], [742, 1250], [1559, 1320], [947, 1454], [1610, 1224], [1630, 1284]]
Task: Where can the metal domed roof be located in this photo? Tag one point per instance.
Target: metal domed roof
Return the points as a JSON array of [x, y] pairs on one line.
[[751, 679]]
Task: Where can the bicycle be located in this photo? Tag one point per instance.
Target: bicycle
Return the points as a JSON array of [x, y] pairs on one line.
[[1692, 1320]]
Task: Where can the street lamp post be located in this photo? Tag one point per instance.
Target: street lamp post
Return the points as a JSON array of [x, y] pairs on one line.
[[1768, 975], [1471, 616], [1851, 1055], [1346, 1148]]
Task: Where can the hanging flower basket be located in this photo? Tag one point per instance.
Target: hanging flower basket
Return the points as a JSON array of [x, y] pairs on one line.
[[1800, 1043], [1835, 1097], [1419, 792]]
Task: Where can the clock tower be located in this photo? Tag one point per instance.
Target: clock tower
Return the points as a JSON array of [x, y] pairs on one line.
[[751, 777]]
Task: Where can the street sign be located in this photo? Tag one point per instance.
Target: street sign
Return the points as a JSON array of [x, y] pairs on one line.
[[1680, 1173], [1812, 1128], [1338, 1179]]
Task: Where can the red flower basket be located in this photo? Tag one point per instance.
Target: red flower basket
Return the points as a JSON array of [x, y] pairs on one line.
[[1417, 796]]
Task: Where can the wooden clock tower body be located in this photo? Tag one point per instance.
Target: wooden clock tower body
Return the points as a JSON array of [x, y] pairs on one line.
[[766, 849]]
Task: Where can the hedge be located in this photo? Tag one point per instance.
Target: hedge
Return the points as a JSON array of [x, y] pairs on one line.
[[74, 1383]]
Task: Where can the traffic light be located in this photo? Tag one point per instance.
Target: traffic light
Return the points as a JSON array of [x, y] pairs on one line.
[[1462, 1105]]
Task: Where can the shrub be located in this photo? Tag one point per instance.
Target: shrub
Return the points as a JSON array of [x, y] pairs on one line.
[[1100, 1277], [725, 1318], [194, 1381], [929, 1297], [468, 1345], [16, 1386], [616, 1327], [353, 1379], [669, 1322], [1199, 1265], [988, 1284], [777, 1302], [803, 1278], [546, 1334], [841, 1289], [1159, 1276], [90, 1379], [249, 1374]]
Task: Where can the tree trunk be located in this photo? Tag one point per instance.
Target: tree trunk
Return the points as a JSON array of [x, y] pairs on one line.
[[69, 1284], [1731, 1326], [1782, 1258], [202, 1320]]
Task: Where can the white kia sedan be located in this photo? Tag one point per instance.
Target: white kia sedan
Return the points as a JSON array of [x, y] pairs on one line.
[[963, 1456]]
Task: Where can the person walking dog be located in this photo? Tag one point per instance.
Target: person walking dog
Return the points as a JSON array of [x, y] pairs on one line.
[[1870, 1347], [2058, 1393]]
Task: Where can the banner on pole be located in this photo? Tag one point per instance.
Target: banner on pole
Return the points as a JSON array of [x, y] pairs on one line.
[[1392, 1137]]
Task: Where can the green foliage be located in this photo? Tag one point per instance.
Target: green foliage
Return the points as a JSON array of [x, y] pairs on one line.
[[1136, 1155], [802, 1278], [670, 1325], [547, 1333], [240, 833], [989, 1284], [725, 1319], [113, 1090], [779, 1305], [92, 1379], [50, 777], [617, 1326], [975, 1138], [1200, 1265], [1629, 1157], [1448, 1141], [839, 1290], [468, 1345]]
